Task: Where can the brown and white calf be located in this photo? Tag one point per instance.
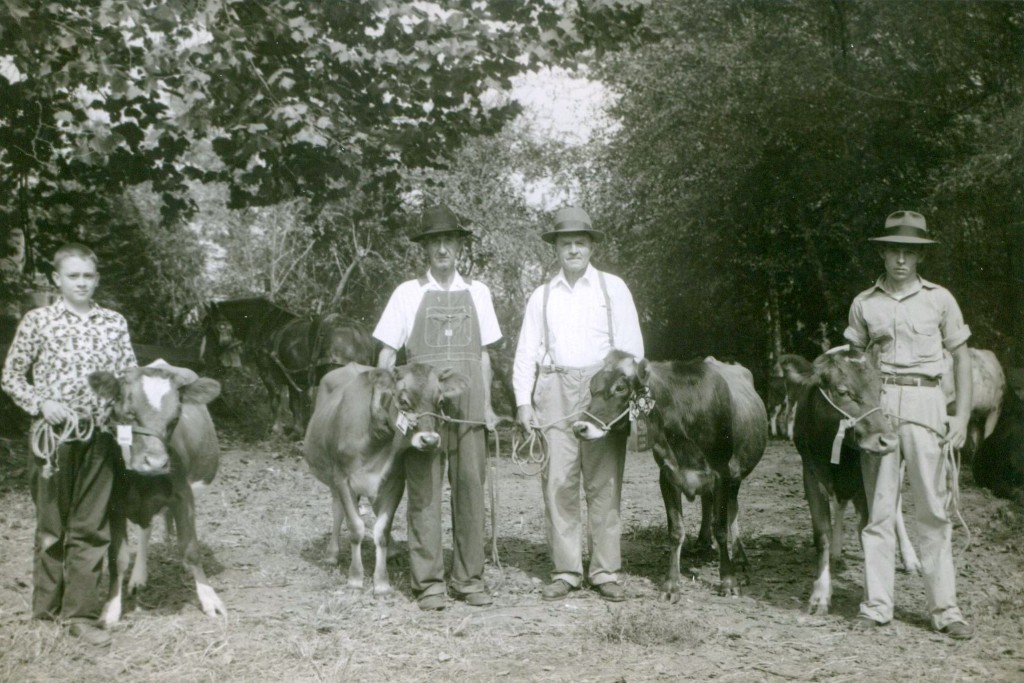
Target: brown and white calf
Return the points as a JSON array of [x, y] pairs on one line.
[[364, 421], [169, 452]]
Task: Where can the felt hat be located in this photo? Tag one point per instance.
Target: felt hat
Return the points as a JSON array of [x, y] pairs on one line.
[[439, 220], [905, 227], [571, 220]]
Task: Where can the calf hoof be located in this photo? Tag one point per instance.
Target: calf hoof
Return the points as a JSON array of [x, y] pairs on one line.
[[212, 604], [670, 591], [354, 583], [382, 591], [818, 608], [729, 586]]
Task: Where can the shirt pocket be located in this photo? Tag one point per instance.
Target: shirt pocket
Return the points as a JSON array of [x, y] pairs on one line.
[[598, 320], [927, 335]]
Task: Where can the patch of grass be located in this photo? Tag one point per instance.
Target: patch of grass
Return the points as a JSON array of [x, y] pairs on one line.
[[651, 626]]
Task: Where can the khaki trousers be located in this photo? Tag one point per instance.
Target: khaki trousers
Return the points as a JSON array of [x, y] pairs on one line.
[[926, 470], [565, 392]]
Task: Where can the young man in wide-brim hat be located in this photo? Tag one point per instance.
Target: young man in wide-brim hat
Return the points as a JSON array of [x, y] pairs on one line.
[[921, 319], [570, 325], [447, 321]]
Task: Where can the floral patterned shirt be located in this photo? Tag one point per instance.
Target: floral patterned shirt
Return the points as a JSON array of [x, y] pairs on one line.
[[57, 349]]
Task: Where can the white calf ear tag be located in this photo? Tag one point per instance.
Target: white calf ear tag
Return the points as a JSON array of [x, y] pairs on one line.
[[402, 422], [124, 435]]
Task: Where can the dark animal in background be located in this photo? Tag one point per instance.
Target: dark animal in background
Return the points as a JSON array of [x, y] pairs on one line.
[[364, 421], [784, 391], [173, 453], [709, 430], [999, 462], [842, 385], [289, 352]]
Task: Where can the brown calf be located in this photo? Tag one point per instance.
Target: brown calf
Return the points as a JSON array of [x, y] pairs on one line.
[[363, 422]]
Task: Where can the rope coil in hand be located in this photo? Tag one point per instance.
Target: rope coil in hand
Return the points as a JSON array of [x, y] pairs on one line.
[[45, 439]]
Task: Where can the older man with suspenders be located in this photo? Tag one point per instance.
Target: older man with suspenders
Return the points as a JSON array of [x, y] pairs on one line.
[[447, 321], [571, 324]]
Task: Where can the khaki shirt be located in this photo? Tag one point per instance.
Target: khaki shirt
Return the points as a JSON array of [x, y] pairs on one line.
[[920, 323]]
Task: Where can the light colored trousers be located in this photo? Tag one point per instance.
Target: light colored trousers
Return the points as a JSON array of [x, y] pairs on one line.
[[926, 470], [599, 464]]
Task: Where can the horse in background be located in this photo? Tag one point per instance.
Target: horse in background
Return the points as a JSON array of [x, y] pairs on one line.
[[289, 352]]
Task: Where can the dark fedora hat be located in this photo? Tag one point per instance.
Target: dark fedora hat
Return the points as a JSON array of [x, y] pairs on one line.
[[571, 220], [905, 227], [439, 220]]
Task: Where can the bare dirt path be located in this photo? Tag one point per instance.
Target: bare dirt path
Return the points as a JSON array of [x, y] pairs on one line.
[[264, 524]]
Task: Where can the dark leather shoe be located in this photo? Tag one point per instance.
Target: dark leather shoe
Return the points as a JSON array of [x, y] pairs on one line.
[[90, 634], [432, 603], [557, 589], [958, 630], [862, 623], [478, 599], [611, 591]]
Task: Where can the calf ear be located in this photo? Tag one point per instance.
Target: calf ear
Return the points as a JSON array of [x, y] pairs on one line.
[[105, 384], [874, 348], [794, 371], [202, 391], [643, 371], [452, 383], [382, 394]]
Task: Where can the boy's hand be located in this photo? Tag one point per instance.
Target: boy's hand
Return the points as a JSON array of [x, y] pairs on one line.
[[55, 412]]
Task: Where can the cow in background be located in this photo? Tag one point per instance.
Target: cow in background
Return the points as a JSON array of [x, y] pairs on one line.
[[999, 462], [363, 422], [170, 452], [786, 390], [709, 430], [988, 384]]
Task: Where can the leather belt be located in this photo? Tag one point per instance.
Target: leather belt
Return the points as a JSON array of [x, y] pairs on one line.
[[910, 380]]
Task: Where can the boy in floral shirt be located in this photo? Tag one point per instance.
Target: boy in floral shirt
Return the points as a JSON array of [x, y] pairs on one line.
[[46, 373]]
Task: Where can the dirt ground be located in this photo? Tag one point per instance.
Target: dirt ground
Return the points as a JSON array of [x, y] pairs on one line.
[[264, 526]]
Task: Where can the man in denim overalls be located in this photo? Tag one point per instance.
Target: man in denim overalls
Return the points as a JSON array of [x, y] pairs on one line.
[[446, 321]]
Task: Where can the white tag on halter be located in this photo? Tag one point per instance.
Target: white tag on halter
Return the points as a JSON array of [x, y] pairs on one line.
[[402, 422], [124, 435]]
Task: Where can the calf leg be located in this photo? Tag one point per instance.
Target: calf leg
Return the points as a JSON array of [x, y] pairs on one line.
[[337, 514], [736, 550], [673, 499], [118, 562], [184, 518], [838, 508], [821, 523], [724, 491], [703, 546], [140, 568], [356, 529], [384, 506]]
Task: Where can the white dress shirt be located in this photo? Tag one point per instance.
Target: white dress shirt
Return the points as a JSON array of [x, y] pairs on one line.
[[577, 319], [395, 324]]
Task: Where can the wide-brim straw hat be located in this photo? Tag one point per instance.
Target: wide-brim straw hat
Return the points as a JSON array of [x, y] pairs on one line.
[[571, 220], [905, 227], [439, 220]]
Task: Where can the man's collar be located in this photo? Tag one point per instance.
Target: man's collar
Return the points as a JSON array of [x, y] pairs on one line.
[[457, 282], [588, 275], [921, 284]]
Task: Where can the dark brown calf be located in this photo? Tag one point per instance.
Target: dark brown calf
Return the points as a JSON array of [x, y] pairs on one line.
[[364, 420], [842, 386], [708, 429], [169, 452]]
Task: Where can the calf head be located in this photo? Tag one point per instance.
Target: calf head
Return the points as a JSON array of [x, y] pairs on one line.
[[620, 382], [852, 383], [406, 400], [147, 401]]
